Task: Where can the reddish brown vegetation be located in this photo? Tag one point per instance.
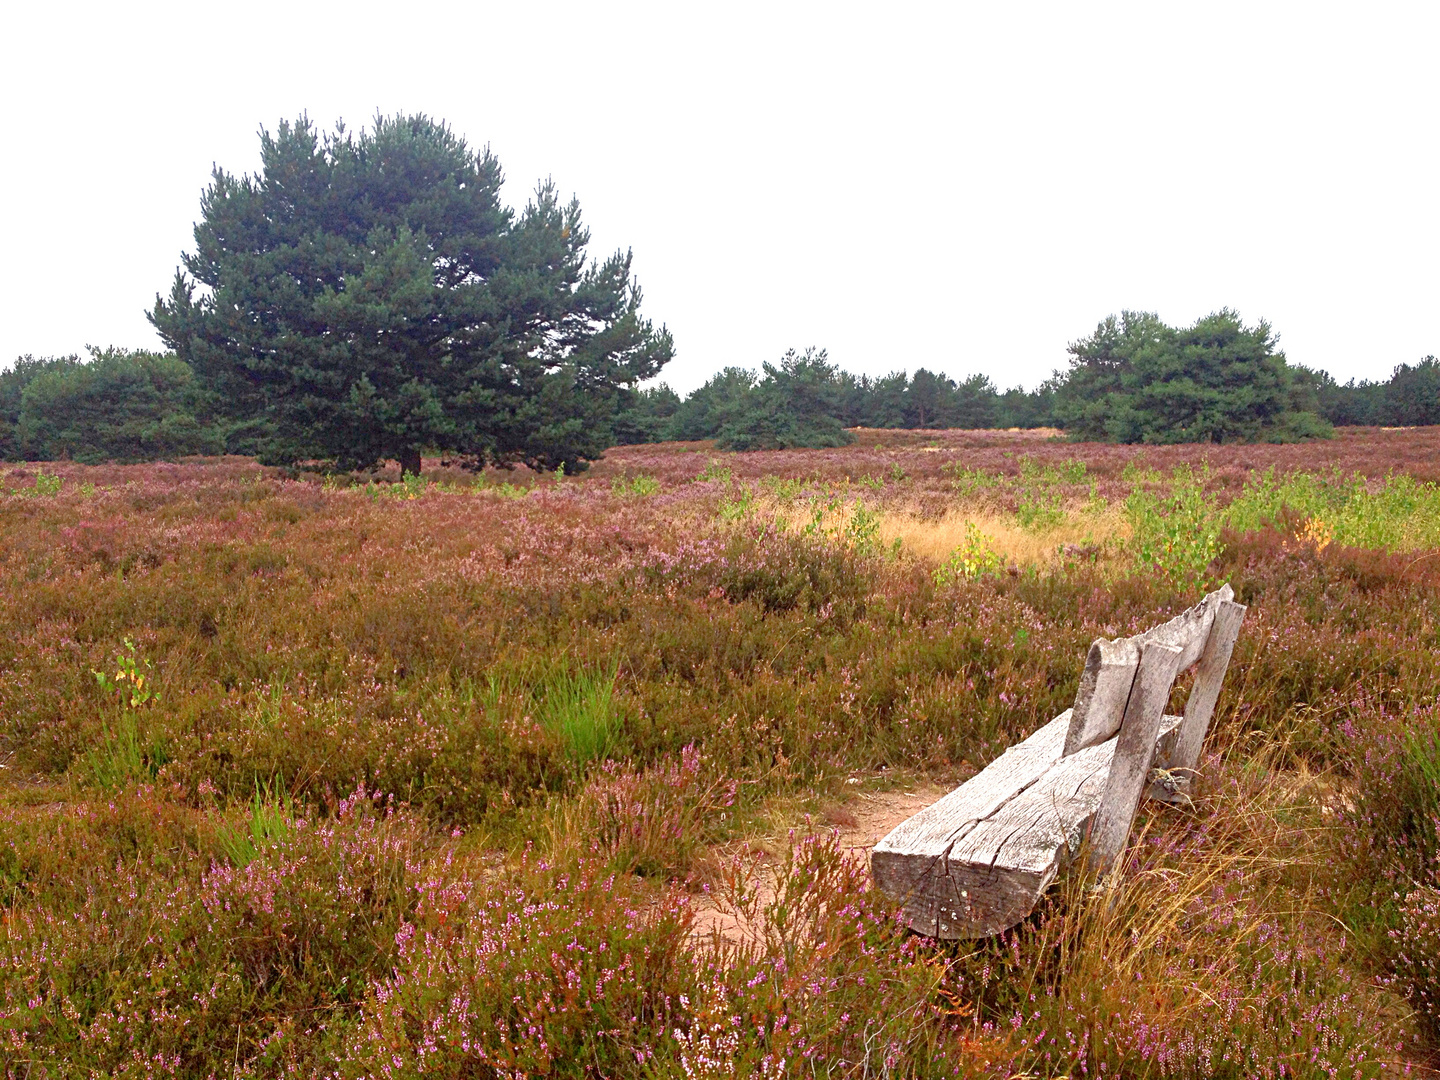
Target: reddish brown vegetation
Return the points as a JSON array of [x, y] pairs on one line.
[[309, 855]]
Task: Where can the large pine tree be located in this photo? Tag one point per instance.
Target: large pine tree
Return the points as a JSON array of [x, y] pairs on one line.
[[1138, 380], [366, 297]]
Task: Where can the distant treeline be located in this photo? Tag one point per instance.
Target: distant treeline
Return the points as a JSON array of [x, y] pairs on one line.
[[1134, 380], [1410, 398], [118, 405], [806, 401]]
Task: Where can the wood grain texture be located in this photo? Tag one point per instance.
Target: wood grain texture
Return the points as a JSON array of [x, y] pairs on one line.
[[1134, 751], [931, 833], [1104, 689], [1110, 669], [963, 876], [1214, 662]]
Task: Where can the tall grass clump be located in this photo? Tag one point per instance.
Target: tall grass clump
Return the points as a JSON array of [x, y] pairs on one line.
[[580, 708], [270, 820]]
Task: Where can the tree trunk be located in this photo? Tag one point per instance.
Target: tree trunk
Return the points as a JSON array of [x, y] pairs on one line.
[[409, 459]]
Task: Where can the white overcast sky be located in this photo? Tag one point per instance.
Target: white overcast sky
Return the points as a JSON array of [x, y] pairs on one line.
[[966, 187]]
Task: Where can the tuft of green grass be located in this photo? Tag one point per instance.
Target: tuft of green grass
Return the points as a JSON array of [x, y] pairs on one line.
[[580, 707], [122, 756], [270, 819]]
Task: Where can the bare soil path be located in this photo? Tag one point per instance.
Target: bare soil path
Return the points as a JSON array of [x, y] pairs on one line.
[[860, 824]]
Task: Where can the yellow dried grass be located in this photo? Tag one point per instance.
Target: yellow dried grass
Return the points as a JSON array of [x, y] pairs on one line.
[[934, 539]]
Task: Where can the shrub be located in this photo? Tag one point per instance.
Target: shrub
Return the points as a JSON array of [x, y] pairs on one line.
[[1175, 536], [821, 971], [778, 570], [197, 970], [1395, 761], [973, 559], [651, 822], [564, 971], [1418, 953]]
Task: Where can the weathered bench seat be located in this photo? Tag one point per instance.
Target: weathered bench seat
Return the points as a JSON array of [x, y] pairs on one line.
[[977, 861]]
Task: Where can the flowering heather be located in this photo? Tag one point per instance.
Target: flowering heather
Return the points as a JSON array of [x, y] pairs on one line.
[[432, 778]]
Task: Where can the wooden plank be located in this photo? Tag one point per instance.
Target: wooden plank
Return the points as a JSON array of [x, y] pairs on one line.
[[1190, 629], [990, 874], [1181, 759], [1104, 689], [1134, 751], [902, 861], [1208, 679]]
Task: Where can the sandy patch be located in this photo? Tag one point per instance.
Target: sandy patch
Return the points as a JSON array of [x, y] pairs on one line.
[[861, 823]]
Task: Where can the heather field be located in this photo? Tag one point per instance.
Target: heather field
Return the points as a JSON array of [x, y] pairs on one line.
[[532, 775]]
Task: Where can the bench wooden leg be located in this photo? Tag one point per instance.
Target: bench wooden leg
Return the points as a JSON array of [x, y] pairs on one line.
[[1134, 753], [1201, 705]]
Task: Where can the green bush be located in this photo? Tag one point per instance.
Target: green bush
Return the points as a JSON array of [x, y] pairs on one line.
[[1176, 536], [1138, 380], [116, 406]]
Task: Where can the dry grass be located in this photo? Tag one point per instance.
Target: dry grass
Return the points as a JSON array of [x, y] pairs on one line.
[[934, 540]]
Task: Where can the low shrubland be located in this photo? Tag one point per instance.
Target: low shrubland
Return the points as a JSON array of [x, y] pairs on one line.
[[308, 777]]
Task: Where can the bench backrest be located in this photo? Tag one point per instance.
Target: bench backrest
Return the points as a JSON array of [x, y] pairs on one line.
[[1110, 669], [1123, 692]]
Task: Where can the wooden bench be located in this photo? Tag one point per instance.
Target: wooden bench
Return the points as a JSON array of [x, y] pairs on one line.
[[977, 862]]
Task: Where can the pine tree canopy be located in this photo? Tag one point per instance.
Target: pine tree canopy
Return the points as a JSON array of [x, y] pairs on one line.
[[366, 297], [1138, 380], [796, 403]]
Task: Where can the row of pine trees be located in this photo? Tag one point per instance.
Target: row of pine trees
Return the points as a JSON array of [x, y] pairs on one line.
[[119, 405]]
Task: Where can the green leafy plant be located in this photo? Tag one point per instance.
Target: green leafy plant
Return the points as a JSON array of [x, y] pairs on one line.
[[45, 484], [1175, 536], [641, 484], [121, 754], [1039, 510], [740, 507], [133, 682], [973, 559], [1041, 505], [862, 529], [970, 482], [1137, 472], [715, 472]]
